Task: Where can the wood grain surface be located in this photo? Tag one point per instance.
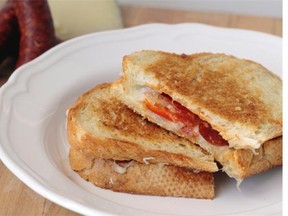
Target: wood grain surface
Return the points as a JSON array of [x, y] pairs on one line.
[[17, 199]]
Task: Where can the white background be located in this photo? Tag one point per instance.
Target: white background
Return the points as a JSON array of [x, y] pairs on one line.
[[271, 8]]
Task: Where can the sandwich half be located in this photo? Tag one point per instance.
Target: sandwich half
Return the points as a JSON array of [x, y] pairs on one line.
[[231, 107], [111, 144], [140, 178]]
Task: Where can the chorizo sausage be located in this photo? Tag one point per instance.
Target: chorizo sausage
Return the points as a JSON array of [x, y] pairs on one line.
[[9, 33], [36, 29]]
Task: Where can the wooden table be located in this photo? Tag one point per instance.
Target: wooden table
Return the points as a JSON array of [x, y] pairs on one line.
[[18, 199]]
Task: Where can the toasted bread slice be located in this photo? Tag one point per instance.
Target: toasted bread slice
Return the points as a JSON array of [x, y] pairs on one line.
[[240, 99], [138, 178], [101, 125]]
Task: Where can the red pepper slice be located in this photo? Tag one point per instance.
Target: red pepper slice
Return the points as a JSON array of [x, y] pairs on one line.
[[159, 110]]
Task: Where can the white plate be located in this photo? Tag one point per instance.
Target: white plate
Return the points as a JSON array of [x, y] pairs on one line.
[[33, 102]]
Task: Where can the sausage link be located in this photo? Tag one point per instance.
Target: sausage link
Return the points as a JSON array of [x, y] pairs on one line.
[[36, 29], [9, 33]]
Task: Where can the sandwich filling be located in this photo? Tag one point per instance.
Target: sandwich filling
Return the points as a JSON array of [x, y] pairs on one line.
[[188, 124]]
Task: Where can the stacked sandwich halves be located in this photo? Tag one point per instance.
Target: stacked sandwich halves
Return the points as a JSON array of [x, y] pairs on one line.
[[171, 121]]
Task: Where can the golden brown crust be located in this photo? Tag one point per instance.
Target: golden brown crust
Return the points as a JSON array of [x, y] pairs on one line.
[[239, 98], [217, 86], [101, 125], [146, 179]]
